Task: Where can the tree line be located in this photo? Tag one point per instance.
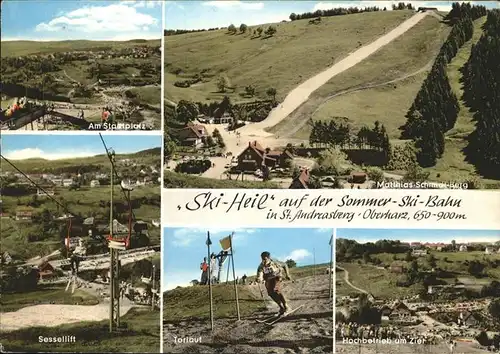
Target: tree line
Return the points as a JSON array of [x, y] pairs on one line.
[[435, 109], [171, 32], [459, 11], [350, 249], [339, 134], [339, 11], [482, 95]]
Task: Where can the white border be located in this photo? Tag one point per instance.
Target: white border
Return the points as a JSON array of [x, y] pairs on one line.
[[162, 100], [481, 208], [81, 132], [334, 275]]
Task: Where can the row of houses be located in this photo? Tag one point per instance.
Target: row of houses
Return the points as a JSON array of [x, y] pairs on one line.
[[421, 248], [401, 313], [226, 118], [133, 52]]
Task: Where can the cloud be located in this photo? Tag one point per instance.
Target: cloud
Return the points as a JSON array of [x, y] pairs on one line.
[[187, 236], [30, 153], [324, 230], [235, 4], [117, 20], [298, 255], [380, 4]]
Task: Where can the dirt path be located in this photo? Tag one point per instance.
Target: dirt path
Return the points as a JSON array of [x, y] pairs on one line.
[[294, 125], [301, 93], [49, 315], [346, 279], [69, 77], [309, 330]]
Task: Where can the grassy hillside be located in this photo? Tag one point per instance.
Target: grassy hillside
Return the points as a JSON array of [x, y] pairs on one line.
[[452, 163], [178, 180], [21, 48], [25, 239], [140, 334], [409, 54], [50, 294], [192, 302], [296, 52], [85, 202], [382, 282], [38, 165]]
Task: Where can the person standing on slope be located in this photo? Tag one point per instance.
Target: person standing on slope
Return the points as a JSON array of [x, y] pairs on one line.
[[213, 269], [204, 272], [272, 273]]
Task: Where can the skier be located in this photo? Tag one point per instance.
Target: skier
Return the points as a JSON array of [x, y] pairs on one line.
[[272, 273]]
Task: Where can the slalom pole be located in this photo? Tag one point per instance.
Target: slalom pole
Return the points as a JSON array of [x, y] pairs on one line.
[[208, 243], [228, 268]]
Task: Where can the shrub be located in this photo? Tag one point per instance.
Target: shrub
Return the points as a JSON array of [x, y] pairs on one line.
[[193, 166]]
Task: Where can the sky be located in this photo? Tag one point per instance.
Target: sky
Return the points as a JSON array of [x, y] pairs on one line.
[[431, 236], [92, 20], [210, 14], [53, 147], [185, 249]]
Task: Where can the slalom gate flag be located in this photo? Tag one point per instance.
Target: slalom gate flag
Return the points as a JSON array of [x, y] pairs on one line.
[[225, 243], [209, 242]]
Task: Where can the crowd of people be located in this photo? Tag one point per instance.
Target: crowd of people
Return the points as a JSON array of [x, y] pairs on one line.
[[18, 106], [210, 272], [107, 116]]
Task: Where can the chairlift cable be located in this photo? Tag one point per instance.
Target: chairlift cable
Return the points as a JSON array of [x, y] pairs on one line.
[[116, 175], [73, 215]]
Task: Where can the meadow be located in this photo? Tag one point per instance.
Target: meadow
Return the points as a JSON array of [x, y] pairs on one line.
[[263, 62]]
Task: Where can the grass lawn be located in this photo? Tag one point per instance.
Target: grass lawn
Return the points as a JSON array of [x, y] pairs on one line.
[[406, 55], [140, 334], [277, 62], [46, 294], [150, 95]]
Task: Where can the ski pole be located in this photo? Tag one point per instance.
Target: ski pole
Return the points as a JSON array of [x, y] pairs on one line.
[[262, 294]]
